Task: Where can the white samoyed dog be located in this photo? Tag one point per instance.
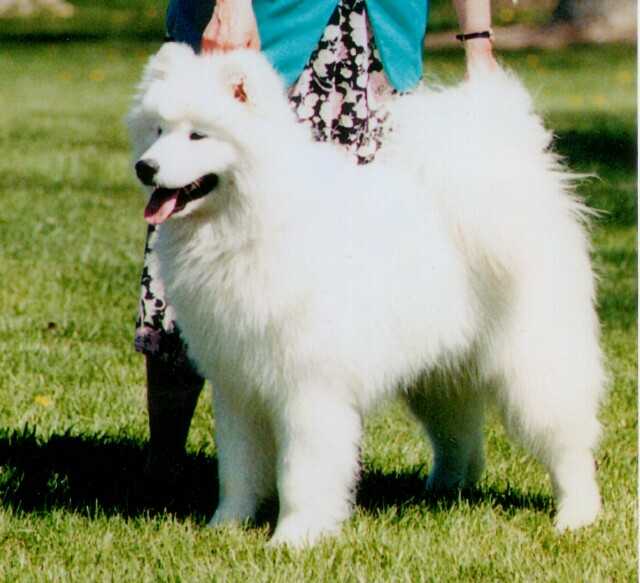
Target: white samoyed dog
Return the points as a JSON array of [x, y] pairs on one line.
[[453, 271]]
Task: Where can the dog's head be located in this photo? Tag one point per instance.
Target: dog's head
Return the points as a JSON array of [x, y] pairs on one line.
[[193, 117]]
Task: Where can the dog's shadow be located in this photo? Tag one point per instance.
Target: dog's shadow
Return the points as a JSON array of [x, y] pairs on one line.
[[102, 475]]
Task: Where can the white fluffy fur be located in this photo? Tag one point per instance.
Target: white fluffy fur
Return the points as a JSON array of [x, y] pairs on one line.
[[452, 271]]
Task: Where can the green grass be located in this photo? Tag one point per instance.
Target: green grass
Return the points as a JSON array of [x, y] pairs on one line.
[[72, 412], [144, 19]]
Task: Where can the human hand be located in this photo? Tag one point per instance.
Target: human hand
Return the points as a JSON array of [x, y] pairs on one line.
[[232, 26]]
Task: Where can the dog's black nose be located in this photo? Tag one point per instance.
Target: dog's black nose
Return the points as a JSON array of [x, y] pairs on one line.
[[146, 170]]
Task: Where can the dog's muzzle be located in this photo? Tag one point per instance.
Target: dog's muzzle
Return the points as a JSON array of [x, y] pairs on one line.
[[164, 202]]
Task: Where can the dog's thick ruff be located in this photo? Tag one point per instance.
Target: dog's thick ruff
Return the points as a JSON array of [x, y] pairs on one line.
[[453, 270]]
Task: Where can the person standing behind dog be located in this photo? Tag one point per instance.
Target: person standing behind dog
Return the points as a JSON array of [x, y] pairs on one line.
[[342, 60]]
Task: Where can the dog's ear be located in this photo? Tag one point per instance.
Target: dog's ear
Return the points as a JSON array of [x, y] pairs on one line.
[[251, 81], [242, 73], [171, 55], [235, 80], [239, 91]]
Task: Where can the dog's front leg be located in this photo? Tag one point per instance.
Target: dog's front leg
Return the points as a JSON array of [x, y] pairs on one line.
[[245, 447], [318, 443]]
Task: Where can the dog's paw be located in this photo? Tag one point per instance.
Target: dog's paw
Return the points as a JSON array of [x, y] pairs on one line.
[[300, 532], [577, 511], [442, 483], [229, 513], [450, 479]]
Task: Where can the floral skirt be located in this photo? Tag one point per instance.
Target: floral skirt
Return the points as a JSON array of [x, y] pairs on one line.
[[341, 96]]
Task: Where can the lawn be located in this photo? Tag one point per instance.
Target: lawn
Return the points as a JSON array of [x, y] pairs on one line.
[[72, 401], [145, 19]]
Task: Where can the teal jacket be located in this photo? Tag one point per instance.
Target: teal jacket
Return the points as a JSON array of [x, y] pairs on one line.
[[290, 30]]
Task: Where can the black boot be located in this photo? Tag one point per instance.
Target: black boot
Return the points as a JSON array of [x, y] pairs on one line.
[[172, 395]]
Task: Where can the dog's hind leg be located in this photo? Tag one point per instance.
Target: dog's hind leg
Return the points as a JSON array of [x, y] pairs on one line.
[[246, 451], [318, 442], [562, 440], [451, 408], [547, 356]]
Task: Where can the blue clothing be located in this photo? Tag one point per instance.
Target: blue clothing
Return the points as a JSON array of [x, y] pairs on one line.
[[290, 30]]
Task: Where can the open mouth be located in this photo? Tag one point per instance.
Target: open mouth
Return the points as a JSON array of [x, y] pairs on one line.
[[164, 202]]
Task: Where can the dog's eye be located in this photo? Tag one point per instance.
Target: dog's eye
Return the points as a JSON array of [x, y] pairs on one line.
[[159, 132], [196, 136]]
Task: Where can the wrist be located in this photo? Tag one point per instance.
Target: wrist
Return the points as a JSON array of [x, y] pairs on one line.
[[479, 34], [233, 4], [478, 46], [479, 54]]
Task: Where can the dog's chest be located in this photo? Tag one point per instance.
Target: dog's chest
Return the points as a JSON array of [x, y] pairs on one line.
[[224, 303]]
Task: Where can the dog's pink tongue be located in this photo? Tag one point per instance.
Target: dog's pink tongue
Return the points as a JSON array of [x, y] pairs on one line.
[[160, 206]]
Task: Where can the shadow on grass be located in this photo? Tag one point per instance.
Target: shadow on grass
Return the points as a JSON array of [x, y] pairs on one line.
[[378, 491], [604, 145], [605, 139], [97, 475]]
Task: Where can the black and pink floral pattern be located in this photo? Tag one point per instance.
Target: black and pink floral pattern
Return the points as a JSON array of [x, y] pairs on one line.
[[341, 93], [341, 96]]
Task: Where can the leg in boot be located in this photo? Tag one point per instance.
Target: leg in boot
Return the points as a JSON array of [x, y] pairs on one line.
[[172, 395]]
